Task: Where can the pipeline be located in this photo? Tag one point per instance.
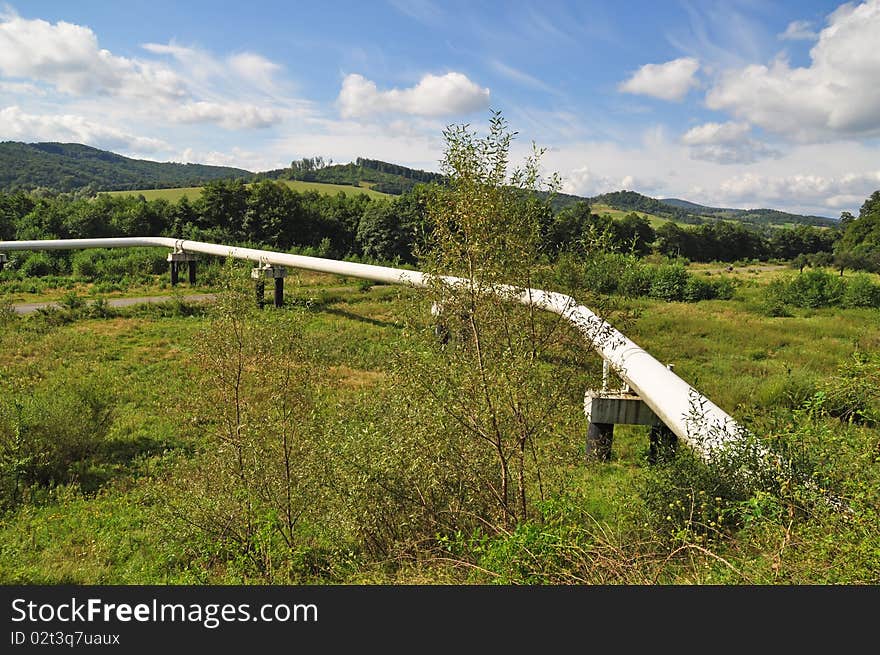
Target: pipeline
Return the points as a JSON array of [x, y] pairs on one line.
[[695, 419]]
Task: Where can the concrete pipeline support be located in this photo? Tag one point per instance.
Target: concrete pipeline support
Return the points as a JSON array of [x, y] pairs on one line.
[[692, 417]]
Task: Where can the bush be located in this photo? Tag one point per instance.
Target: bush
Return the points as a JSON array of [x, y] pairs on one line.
[[635, 280], [724, 288], [85, 264], [860, 291], [854, 393], [816, 288], [697, 289], [46, 436], [38, 264], [669, 282]]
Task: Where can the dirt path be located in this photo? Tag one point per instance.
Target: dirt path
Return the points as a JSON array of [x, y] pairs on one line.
[[30, 307], [743, 269]]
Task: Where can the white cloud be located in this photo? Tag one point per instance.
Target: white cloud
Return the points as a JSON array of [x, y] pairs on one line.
[[831, 192], [837, 95], [237, 157], [821, 179], [669, 81], [584, 181], [21, 88], [67, 56], [231, 115], [434, 95], [726, 143], [709, 133], [255, 69], [233, 72], [20, 126], [798, 30]]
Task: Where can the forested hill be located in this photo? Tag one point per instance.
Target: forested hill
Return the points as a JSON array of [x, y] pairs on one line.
[[72, 166], [378, 175], [684, 211]]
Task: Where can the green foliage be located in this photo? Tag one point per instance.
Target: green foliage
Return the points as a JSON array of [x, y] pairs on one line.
[[385, 234], [39, 264], [627, 275], [669, 282], [818, 288], [853, 394], [48, 436], [861, 291], [252, 496], [859, 245], [490, 379]]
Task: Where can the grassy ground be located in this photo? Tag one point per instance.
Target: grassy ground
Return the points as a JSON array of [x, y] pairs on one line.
[[113, 527], [173, 195], [617, 214]]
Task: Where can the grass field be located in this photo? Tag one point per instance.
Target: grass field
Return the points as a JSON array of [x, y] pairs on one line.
[[617, 214], [173, 195], [114, 522]]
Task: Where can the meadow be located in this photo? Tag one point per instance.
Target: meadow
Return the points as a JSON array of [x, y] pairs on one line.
[[133, 479], [617, 214], [192, 193]]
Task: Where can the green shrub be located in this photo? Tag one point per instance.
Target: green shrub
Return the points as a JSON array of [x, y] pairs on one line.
[[84, 264], [635, 280], [860, 291], [854, 393], [38, 264], [669, 282], [818, 288], [697, 289], [814, 288], [724, 288], [47, 435], [774, 299]]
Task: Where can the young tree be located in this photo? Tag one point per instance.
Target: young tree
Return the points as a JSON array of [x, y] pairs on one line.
[[494, 383]]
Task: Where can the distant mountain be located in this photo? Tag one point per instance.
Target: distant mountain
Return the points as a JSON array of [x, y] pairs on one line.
[[685, 204], [72, 166], [759, 216]]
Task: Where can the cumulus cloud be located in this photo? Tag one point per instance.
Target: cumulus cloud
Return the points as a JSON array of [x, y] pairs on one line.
[[726, 143], [67, 57], [434, 95], [669, 81], [798, 30], [837, 95], [20, 126], [255, 69], [243, 69], [584, 181], [231, 115], [832, 192]]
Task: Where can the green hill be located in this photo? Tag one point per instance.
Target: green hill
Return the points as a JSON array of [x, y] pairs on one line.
[[380, 176], [758, 216], [176, 193], [75, 167], [72, 166]]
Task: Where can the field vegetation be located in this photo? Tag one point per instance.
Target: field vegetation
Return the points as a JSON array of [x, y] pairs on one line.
[[192, 193], [355, 437]]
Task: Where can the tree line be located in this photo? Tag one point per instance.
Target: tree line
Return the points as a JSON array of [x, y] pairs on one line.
[[342, 225]]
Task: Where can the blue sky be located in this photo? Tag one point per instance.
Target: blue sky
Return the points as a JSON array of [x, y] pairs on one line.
[[741, 103]]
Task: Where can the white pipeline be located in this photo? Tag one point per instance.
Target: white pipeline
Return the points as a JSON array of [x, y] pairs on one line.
[[691, 416]]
